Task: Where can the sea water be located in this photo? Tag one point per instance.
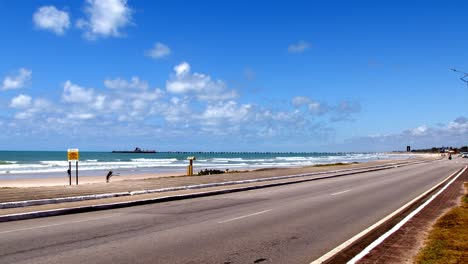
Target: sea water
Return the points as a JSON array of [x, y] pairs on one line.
[[43, 164]]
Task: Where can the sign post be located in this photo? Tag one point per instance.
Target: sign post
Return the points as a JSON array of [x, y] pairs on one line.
[[73, 155], [190, 166], [69, 173]]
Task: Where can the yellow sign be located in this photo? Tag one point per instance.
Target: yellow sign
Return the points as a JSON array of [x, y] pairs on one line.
[[73, 154]]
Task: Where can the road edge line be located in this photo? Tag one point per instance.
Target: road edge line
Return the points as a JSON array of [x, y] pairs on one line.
[[402, 222], [371, 228]]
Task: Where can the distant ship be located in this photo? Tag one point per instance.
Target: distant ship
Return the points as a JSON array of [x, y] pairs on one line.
[[136, 150]]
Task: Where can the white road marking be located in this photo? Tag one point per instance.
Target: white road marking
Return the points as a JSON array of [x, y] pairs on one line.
[[347, 243], [244, 216], [44, 226], [340, 192], [401, 223]]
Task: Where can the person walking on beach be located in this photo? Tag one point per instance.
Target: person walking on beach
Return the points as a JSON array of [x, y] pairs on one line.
[[109, 175]]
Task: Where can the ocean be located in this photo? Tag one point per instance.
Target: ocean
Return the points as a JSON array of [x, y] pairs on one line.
[[45, 164]]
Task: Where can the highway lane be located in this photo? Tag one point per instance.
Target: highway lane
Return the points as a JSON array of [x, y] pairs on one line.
[[287, 224]]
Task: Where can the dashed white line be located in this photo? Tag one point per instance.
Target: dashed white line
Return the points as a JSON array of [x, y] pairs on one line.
[[340, 192], [44, 226], [244, 216]]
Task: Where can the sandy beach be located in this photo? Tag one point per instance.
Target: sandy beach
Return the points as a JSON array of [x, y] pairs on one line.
[[31, 189], [64, 181]]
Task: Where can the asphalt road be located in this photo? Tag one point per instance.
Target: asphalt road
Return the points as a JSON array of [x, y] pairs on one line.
[[287, 224]]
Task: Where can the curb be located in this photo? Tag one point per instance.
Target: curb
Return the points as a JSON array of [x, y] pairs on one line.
[[92, 208], [17, 204]]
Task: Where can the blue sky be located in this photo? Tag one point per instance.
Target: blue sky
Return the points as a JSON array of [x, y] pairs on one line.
[[210, 75]]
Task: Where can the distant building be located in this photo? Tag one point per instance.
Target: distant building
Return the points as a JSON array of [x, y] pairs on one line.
[[408, 148]]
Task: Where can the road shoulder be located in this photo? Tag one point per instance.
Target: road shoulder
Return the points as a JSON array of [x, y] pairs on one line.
[[403, 245]]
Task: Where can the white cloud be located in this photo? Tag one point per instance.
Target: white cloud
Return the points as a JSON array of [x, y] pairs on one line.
[[118, 83], [182, 68], [454, 133], [313, 106], [176, 111], [105, 18], [147, 95], [225, 112], [21, 101], [17, 81], [419, 131], [99, 102], [299, 47], [81, 116], [158, 51], [73, 93], [52, 19], [116, 105], [31, 107], [205, 89]]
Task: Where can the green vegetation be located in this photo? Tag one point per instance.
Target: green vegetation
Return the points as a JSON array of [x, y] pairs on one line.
[[448, 240], [210, 171], [438, 150]]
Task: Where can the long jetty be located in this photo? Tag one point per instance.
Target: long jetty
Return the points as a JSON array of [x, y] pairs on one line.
[[245, 152]]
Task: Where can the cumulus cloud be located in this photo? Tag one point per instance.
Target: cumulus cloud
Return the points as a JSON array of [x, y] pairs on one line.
[[159, 50], [105, 18], [229, 112], [73, 93], [81, 116], [21, 101], [453, 133], [30, 108], [183, 81], [313, 106], [134, 83], [51, 19], [17, 81], [419, 131], [191, 102], [299, 47]]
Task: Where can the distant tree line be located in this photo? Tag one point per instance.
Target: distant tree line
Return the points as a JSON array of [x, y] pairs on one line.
[[442, 149]]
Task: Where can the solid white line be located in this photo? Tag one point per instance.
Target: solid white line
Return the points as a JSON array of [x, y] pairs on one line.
[[401, 223], [347, 243], [44, 226], [240, 217], [340, 192]]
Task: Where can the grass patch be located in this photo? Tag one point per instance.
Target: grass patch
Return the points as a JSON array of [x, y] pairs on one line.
[[448, 240], [335, 164]]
